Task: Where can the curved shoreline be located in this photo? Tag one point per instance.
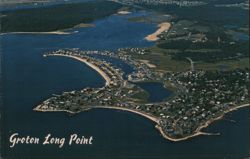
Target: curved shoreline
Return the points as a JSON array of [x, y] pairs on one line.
[[198, 131], [93, 66], [150, 117]]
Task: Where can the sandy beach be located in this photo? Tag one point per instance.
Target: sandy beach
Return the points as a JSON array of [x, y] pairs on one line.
[[162, 27], [123, 12], [101, 72], [150, 117], [84, 25]]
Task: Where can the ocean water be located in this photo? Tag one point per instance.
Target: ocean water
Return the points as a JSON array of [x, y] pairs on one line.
[[29, 79]]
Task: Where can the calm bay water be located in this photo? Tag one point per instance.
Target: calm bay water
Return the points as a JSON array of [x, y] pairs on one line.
[[29, 79], [157, 92]]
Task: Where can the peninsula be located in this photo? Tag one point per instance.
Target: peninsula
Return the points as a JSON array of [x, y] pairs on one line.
[[201, 97]]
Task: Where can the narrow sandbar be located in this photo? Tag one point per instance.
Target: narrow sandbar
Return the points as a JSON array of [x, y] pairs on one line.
[[162, 28], [51, 32], [84, 25], [124, 12]]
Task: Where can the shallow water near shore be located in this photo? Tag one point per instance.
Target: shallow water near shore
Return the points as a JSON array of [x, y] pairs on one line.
[[29, 78]]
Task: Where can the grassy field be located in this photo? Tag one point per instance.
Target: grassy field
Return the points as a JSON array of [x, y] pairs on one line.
[[164, 62], [200, 42], [228, 65], [141, 97], [198, 33]]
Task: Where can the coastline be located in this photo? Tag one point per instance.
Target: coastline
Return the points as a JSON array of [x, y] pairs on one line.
[[43, 110], [97, 69], [66, 31], [150, 117], [23, 2], [51, 32], [162, 28], [157, 120], [84, 25], [181, 139], [198, 131]]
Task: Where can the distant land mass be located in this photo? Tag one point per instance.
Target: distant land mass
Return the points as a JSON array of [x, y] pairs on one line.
[[56, 17], [13, 2]]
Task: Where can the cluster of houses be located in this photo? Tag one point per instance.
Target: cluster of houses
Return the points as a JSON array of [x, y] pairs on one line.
[[206, 95]]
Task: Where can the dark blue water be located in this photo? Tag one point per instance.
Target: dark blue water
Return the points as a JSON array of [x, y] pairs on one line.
[[229, 26], [29, 79], [157, 92], [241, 36]]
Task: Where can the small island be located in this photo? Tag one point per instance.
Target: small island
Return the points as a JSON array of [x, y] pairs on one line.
[[200, 97]]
